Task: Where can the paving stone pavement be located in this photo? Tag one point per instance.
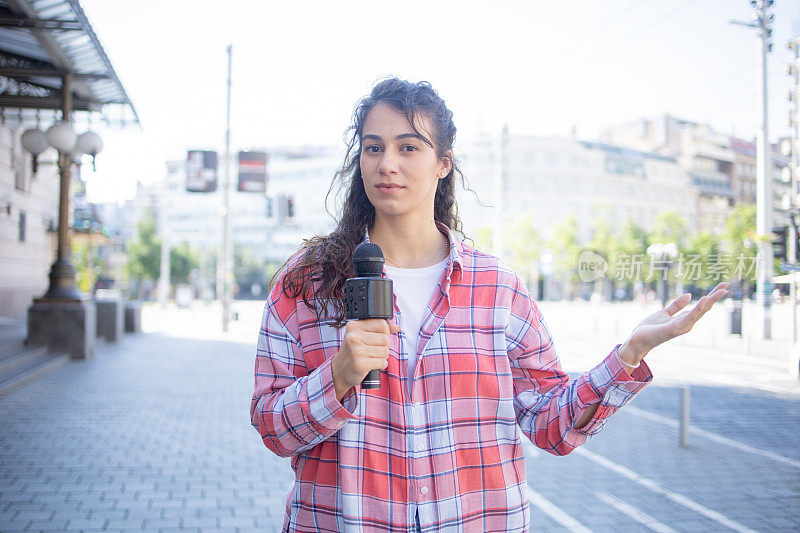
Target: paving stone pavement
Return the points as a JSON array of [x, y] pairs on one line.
[[154, 434]]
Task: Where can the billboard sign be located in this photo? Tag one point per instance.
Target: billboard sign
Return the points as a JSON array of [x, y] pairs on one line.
[[253, 171], [201, 171]]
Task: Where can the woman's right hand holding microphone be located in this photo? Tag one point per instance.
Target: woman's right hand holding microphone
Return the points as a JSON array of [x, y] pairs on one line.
[[365, 347]]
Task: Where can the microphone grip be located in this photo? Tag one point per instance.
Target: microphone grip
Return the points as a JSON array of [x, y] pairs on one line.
[[369, 297], [372, 380]]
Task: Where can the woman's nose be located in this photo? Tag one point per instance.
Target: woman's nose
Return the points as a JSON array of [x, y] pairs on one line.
[[388, 163]]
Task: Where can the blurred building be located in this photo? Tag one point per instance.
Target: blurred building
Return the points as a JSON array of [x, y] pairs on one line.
[[48, 50], [271, 225], [723, 167], [28, 221], [553, 178]]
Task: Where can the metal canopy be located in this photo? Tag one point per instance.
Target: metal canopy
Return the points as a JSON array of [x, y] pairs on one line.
[[41, 42]]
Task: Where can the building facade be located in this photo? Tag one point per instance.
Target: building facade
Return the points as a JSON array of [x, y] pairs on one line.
[[723, 167], [28, 222], [553, 178]]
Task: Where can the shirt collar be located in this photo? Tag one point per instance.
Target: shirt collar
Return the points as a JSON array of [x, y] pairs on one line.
[[454, 263]]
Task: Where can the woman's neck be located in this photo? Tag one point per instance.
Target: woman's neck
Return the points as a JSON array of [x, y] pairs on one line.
[[409, 244]]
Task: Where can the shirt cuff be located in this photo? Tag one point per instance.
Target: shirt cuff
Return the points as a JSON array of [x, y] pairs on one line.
[[324, 408], [611, 383]]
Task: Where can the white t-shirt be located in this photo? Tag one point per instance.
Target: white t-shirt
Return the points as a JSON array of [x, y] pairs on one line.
[[414, 288]]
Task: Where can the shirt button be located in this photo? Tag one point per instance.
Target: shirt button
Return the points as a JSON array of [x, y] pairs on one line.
[[424, 490], [420, 447], [417, 405]]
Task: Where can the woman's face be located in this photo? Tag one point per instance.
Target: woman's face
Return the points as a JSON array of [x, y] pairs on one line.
[[400, 171]]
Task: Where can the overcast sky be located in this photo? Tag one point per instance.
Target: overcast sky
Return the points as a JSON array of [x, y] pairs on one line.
[[542, 67]]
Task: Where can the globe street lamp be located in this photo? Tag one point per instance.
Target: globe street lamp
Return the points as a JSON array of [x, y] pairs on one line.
[[35, 142], [70, 148]]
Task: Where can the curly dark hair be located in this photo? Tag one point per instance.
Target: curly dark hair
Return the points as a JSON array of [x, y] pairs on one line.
[[329, 259]]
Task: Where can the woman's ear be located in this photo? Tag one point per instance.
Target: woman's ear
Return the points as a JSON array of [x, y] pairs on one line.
[[447, 164]]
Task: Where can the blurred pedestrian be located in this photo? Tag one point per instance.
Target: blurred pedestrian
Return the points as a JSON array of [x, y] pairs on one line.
[[468, 365]]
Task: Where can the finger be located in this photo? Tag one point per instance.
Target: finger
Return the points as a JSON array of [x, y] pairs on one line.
[[372, 338], [705, 303], [716, 295], [696, 312], [393, 327], [723, 285], [678, 303], [373, 352], [720, 290], [376, 325]]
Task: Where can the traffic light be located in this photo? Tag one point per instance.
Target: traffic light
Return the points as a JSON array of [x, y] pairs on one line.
[[779, 242]]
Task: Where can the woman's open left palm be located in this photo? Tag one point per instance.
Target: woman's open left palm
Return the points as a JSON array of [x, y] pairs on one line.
[[671, 322]]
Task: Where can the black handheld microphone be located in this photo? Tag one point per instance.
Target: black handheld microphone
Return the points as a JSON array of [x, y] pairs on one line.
[[368, 295]]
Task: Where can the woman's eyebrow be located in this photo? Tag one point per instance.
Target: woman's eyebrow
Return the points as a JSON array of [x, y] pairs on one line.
[[397, 137]]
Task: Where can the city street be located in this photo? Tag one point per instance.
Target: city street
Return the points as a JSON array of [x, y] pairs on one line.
[[153, 433]]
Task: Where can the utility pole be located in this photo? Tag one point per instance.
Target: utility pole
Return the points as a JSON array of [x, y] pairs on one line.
[[225, 254], [762, 20], [794, 194], [498, 183], [163, 278]]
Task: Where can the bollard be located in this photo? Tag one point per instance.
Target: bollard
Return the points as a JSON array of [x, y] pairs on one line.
[[684, 439]]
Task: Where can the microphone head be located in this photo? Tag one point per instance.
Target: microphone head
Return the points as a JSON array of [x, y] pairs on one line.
[[368, 260]]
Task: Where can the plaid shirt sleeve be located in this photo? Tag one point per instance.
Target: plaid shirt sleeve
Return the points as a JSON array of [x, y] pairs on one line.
[[547, 404], [293, 410]]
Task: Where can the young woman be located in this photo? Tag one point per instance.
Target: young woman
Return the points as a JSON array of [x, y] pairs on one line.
[[467, 364]]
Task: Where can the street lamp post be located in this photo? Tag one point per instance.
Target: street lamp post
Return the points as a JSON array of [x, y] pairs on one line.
[[665, 252], [63, 319], [62, 274]]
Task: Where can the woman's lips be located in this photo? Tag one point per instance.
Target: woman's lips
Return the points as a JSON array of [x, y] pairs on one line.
[[389, 189]]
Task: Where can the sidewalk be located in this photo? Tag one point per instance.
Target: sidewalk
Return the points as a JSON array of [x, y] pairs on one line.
[[154, 434]]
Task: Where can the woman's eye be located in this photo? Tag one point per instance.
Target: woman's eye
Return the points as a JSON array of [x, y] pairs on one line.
[[371, 149], [409, 148]]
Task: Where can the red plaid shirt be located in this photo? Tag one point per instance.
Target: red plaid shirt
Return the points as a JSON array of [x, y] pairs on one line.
[[452, 452]]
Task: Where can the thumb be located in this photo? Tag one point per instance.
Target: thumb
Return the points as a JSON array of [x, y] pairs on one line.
[[394, 327]]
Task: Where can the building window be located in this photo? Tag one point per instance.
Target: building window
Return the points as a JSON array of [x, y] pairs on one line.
[[22, 226]]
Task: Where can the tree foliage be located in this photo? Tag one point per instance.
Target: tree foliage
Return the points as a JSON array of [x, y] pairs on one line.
[[524, 246], [740, 243], [566, 248], [144, 254]]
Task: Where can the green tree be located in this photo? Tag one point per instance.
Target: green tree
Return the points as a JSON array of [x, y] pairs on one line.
[[669, 227], [740, 243], [605, 243], [80, 260], [524, 245], [483, 239], [566, 250], [182, 260], [145, 252], [249, 269], [701, 260], [632, 260]]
